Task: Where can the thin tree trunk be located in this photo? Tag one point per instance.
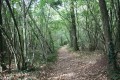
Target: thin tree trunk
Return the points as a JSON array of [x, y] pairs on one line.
[[73, 31], [118, 27], [24, 35], [19, 35], [1, 37], [1, 41]]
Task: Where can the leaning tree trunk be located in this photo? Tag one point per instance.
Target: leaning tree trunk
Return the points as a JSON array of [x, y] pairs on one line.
[[22, 58], [73, 35], [107, 33]]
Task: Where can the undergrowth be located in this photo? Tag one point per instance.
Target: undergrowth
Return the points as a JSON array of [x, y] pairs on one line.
[[52, 57]]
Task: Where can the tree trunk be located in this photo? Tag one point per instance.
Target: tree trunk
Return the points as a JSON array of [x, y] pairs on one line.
[[1, 38], [18, 32], [73, 35], [118, 27], [108, 37], [1, 41]]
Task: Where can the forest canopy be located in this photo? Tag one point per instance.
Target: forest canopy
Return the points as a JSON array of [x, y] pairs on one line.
[[33, 31]]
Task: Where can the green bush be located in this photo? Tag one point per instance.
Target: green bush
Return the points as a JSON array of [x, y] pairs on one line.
[[52, 58]]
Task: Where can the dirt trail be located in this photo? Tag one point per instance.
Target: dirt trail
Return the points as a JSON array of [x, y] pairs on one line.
[[71, 67]]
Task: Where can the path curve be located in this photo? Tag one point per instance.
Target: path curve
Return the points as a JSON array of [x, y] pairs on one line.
[[70, 67]]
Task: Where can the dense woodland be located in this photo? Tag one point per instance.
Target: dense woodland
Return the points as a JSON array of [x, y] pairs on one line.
[[32, 31]]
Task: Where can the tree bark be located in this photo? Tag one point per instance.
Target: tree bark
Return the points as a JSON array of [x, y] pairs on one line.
[[73, 35], [118, 27], [2, 55], [1, 38], [108, 37], [18, 32]]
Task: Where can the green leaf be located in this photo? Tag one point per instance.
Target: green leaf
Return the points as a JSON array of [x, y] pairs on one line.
[[42, 3]]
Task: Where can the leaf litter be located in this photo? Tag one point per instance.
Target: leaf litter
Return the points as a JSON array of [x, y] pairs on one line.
[[81, 65]]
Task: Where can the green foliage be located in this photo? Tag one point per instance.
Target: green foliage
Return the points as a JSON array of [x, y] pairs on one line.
[[14, 1], [52, 57], [47, 27], [55, 4], [43, 2]]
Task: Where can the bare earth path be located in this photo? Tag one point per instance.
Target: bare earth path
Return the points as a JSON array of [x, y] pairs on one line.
[[70, 67]]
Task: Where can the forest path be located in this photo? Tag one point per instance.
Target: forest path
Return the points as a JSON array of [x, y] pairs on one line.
[[70, 67]]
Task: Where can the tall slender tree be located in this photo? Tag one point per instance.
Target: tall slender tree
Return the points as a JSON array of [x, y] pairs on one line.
[[1, 38], [2, 55], [107, 33], [118, 26], [73, 35], [22, 59]]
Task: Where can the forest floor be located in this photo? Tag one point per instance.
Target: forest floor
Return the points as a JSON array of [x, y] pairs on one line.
[[78, 66], [81, 65]]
